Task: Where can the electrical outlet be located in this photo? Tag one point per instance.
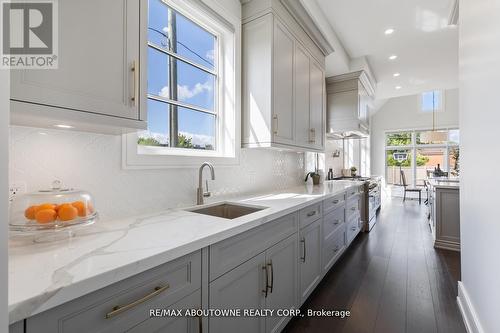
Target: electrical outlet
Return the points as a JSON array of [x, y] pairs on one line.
[[16, 189]]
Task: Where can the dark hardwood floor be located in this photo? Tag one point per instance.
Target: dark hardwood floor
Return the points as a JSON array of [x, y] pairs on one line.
[[391, 279]]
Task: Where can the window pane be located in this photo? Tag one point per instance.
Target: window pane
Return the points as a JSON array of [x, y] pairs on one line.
[[196, 129], [454, 136], [157, 133], [158, 23], [431, 137], [454, 161], [397, 161], [157, 73], [431, 100], [195, 43], [398, 139], [195, 86], [427, 161]]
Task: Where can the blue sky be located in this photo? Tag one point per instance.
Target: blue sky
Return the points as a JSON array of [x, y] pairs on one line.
[[194, 86]]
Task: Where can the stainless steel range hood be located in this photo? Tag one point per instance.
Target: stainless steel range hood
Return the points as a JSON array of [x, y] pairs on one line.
[[349, 97]]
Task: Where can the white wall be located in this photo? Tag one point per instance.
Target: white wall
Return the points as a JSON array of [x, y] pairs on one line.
[[479, 55], [93, 162], [4, 199], [403, 113]]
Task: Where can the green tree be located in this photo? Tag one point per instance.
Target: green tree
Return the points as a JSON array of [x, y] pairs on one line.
[[184, 141], [399, 139], [421, 160], [149, 142]]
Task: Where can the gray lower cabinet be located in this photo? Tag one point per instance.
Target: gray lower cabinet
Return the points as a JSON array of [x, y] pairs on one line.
[[17, 327], [174, 324], [445, 218], [126, 304], [310, 259], [267, 281], [353, 227], [241, 288]]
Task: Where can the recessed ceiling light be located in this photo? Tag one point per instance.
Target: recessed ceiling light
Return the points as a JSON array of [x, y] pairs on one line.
[[64, 126], [396, 74], [392, 57], [389, 31], [397, 87]]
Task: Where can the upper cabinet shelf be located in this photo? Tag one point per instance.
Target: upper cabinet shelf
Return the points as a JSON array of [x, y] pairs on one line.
[[284, 99], [97, 86]]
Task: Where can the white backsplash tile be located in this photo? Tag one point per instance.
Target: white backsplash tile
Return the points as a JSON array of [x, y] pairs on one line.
[[93, 162]]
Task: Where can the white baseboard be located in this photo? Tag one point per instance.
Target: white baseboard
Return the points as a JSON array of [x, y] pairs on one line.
[[468, 312]]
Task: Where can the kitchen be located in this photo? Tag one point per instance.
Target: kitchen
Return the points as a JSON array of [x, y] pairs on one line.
[[256, 165]]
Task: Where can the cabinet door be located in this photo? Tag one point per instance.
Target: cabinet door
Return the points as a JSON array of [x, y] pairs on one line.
[[310, 259], [317, 105], [303, 133], [95, 62], [241, 288], [283, 122], [175, 324], [281, 262]]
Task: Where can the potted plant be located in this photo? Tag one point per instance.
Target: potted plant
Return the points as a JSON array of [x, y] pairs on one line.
[[353, 171], [315, 177]]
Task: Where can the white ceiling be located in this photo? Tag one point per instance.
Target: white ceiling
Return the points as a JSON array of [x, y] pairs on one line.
[[427, 48]]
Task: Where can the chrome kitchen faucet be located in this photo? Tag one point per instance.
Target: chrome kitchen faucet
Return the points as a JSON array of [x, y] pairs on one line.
[[200, 194]]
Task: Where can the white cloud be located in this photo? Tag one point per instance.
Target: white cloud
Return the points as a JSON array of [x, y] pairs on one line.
[[184, 92], [210, 55]]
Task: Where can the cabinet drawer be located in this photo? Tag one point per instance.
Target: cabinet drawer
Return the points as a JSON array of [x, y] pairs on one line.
[[175, 324], [333, 203], [352, 228], [352, 208], [351, 192], [333, 248], [232, 252], [94, 312], [309, 214], [332, 221]]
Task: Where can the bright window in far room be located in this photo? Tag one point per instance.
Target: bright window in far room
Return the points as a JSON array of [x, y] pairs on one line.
[[432, 101], [182, 82]]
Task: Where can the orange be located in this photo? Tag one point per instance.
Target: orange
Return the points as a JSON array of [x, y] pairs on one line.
[[67, 212], [29, 213], [46, 206], [81, 207], [45, 215]]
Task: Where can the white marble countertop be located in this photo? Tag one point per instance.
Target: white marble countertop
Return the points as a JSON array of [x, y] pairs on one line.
[[45, 275], [445, 183]]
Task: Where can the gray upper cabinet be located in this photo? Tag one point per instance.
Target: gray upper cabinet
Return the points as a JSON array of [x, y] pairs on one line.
[[100, 75], [309, 258], [283, 86]]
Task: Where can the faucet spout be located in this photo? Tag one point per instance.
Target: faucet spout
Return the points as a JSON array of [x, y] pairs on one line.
[[200, 193]]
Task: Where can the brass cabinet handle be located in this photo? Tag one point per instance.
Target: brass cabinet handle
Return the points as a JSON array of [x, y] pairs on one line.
[[303, 241], [335, 201], [353, 208], [271, 286], [336, 222], [135, 70], [122, 308], [264, 268], [312, 135], [311, 213], [336, 249], [275, 118], [353, 228]]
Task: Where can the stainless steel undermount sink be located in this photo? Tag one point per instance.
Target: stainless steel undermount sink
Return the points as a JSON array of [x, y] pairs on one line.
[[227, 210]]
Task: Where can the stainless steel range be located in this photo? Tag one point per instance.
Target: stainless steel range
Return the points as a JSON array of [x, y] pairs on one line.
[[371, 199]]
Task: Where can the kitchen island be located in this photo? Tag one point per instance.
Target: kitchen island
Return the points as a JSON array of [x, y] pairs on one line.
[[444, 213]]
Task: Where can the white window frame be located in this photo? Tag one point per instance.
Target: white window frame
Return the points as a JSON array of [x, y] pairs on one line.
[[442, 100], [413, 147], [227, 29]]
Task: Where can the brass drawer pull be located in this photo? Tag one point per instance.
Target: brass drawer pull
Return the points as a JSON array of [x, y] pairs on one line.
[[122, 308], [311, 213], [336, 201], [270, 265], [303, 241], [135, 72], [266, 284]]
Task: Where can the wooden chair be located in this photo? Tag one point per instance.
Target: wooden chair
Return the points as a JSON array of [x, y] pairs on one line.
[[405, 185]]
